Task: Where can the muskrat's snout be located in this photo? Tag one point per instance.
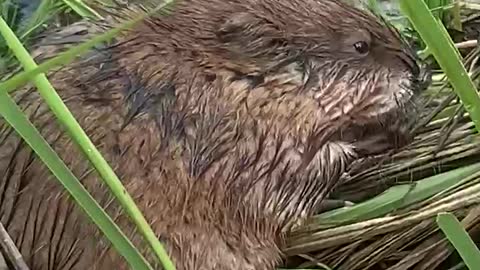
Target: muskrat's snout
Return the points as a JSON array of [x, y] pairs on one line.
[[393, 130], [422, 78], [421, 75], [390, 111]]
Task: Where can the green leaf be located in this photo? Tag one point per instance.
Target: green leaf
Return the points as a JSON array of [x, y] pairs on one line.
[[460, 239], [82, 9], [398, 196], [44, 12], [441, 46]]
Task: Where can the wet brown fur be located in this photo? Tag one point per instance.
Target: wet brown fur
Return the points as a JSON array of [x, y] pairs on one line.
[[227, 121]]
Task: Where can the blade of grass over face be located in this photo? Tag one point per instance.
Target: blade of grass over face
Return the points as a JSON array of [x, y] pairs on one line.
[[15, 117], [460, 239], [80, 137], [447, 56]]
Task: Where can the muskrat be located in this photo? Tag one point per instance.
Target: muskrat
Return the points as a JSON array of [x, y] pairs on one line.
[[227, 121]]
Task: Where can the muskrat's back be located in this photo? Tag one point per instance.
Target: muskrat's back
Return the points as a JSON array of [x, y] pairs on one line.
[[225, 121]]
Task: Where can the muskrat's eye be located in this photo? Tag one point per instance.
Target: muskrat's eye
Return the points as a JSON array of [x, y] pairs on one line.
[[362, 47]]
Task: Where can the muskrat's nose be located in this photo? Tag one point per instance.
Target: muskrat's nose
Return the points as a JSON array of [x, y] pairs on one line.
[[423, 79], [410, 59], [421, 73]]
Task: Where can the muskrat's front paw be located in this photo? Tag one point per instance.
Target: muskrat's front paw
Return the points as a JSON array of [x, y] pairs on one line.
[[336, 156], [381, 142]]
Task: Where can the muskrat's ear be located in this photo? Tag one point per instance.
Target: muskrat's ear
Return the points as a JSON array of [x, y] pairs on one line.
[[236, 25], [246, 33]]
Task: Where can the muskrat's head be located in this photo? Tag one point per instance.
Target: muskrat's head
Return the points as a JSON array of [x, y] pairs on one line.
[[302, 59]]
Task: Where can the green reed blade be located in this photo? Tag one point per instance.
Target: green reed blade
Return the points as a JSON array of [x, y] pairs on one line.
[[15, 117], [399, 196], [82, 9], [440, 44], [460, 239], [44, 12], [79, 136]]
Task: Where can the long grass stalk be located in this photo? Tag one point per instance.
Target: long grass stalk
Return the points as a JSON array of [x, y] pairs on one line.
[[441, 46], [15, 117], [398, 196], [460, 239], [80, 137], [82, 9], [439, 43]]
